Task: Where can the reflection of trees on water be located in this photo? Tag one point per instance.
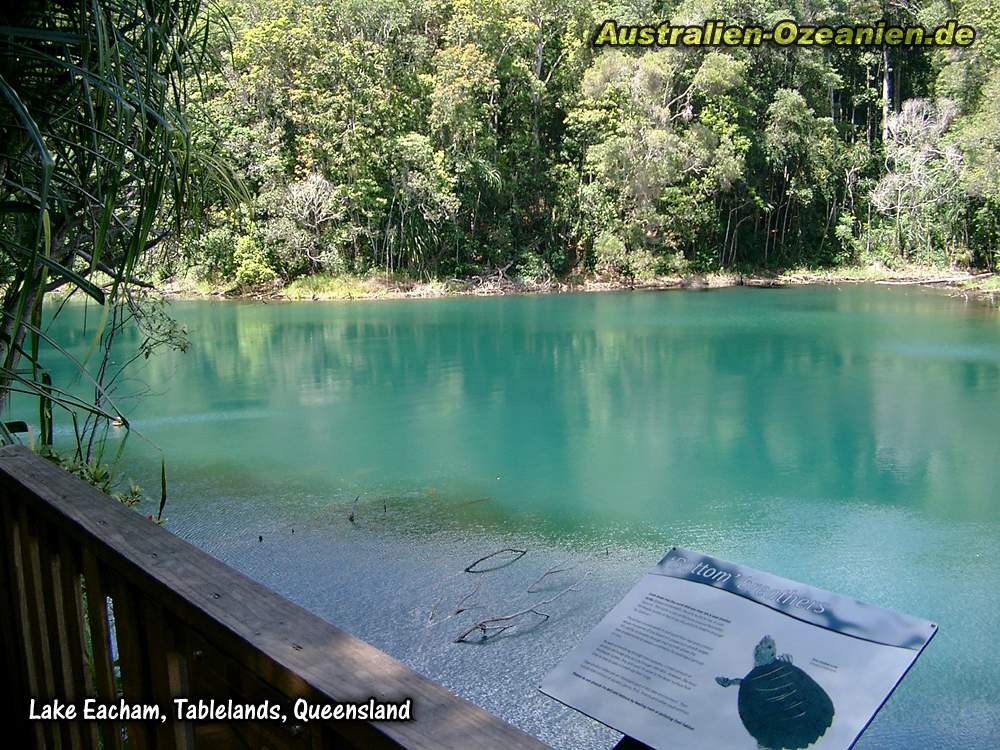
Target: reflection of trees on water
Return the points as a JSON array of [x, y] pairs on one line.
[[644, 406]]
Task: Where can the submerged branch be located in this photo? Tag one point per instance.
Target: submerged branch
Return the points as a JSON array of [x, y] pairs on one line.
[[493, 626], [532, 588], [518, 554], [460, 607]]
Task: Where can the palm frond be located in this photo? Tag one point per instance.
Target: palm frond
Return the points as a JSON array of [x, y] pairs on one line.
[[96, 163]]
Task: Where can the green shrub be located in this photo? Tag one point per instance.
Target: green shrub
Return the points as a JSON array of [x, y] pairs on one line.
[[532, 267], [610, 255], [613, 258], [642, 264], [213, 252], [252, 268]]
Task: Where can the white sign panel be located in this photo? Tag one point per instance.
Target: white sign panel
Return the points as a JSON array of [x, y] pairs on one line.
[[704, 654]]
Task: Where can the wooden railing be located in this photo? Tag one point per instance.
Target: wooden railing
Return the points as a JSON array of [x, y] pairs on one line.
[[84, 580]]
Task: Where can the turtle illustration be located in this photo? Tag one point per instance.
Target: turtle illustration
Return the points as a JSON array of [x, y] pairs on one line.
[[781, 706]]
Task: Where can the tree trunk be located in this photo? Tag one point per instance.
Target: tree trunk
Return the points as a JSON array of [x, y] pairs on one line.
[[886, 93]]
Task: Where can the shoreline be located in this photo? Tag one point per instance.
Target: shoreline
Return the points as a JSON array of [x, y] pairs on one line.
[[983, 286]]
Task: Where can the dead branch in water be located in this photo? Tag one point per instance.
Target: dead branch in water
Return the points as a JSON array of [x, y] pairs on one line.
[[460, 607], [930, 282], [463, 605], [493, 626], [482, 499], [518, 552], [550, 572]]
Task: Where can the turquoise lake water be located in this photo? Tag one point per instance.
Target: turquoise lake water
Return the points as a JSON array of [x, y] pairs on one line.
[[842, 436]]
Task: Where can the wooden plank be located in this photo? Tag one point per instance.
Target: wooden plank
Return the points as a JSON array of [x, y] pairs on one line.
[[37, 620], [100, 644], [74, 635], [133, 653], [165, 674], [214, 674], [23, 677], [287, 646], [58, 628]]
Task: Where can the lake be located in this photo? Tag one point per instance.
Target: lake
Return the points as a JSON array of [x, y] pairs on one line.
[[844, 436]]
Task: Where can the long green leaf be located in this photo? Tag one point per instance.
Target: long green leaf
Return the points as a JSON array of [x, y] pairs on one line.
[[86, 286]]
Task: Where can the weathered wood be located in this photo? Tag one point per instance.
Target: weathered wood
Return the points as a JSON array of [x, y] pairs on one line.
[[21, 668], [100, 644], [165, 673], [133, 651], [279, 644], [58, 628], [74, 634], [36, 619], [213, 673]]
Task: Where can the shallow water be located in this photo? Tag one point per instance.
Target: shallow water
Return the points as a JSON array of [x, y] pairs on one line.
[[841, 436]]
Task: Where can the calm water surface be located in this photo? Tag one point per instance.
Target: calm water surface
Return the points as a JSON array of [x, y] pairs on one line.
[[846, 437]]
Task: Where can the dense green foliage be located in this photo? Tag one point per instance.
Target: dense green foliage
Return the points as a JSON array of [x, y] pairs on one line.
[[442, 137]]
